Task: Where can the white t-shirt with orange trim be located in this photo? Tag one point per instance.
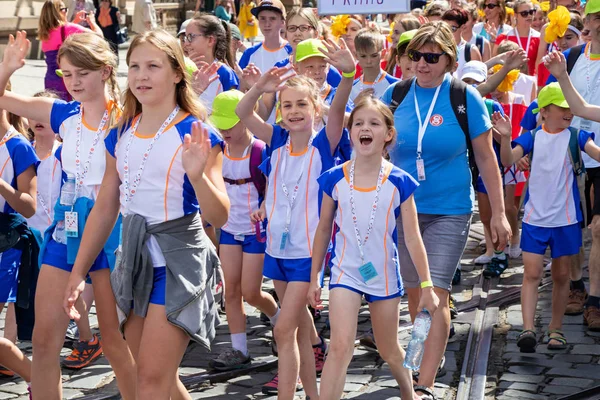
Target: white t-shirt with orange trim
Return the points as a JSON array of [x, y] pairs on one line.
[[49, 177], [379, 86], [380, 249]]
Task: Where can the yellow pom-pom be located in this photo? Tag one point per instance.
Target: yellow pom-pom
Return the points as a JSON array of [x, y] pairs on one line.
[[545, 6], [507, 84], [339, 25], [480, 13], [389, 37], [558, 23], [509, 11]]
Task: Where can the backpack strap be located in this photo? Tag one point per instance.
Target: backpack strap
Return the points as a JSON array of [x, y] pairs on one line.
[[256, 155], [579, 169], [399, 93], [574, 54], [467, 52], [458, 100], [526, 187], [479, 42]]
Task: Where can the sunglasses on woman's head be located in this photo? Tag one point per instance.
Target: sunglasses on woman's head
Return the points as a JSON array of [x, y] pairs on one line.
[[430, 58], [524, 14], [490, 6]]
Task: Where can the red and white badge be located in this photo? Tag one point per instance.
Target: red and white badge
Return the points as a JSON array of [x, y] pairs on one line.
[[436, 120]]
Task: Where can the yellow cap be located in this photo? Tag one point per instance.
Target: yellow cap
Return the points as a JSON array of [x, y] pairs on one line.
[[309, 48], [223, 115], [551, 94]]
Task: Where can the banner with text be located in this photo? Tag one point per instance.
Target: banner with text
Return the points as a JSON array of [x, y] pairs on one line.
[[335, 7]]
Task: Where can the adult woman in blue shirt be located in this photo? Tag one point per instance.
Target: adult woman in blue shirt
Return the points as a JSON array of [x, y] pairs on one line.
[[431, 146]]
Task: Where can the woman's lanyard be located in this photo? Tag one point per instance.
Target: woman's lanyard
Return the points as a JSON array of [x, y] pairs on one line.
[[291, 200], [360, 242], [79, 175], [130, 189], [422, 128], [519, 40]]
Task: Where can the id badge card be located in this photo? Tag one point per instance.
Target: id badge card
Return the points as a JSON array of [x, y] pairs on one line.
[[368, 272], [239, 238], [284, 239], [71, 224], [585, 124], [420, 169]]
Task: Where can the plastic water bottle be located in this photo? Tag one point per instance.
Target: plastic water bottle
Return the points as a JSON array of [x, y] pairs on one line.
[[416, 346], [67, 198]]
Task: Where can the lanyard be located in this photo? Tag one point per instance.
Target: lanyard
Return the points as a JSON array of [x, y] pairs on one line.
[[292, 200], [519, 40], [130, 190], [80, 176], [361, 243], [423, 125], [590, 90]]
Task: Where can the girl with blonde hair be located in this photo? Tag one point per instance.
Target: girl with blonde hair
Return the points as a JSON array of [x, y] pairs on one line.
[[89, 69], [178, 159]]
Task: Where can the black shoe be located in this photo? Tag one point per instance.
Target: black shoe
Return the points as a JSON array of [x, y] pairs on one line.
[[456, 277], [453, 310], [496, 267]]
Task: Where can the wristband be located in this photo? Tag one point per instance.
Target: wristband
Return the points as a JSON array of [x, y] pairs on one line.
[[349, 74], [426, 284]]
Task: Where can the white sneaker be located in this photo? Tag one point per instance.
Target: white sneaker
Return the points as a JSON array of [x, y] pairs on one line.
[[514, 251], [548, 267], [483, 259]]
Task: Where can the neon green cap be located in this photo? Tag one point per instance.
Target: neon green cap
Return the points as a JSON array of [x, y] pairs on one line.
[[551, 94], [592, 7], [223, 109], [190, 66], [406, 37], [309, 48]]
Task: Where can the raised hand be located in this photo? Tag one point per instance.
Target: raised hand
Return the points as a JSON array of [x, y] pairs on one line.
[[80, 16], [204, 76], [251, 74], [556, 63], [339, 56], [492, 31], [196, 150], [198, 59], [15, 52], [515, 59], [273, 80], [502, 124]]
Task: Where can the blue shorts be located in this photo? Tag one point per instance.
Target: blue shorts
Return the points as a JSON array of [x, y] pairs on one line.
[[563, 240], [287, 270], [249, 245], [159, 286], [368, 297], [480, 187], [56, 256], [9, 275]]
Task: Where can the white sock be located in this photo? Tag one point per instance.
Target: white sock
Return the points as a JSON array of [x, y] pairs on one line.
[[273, 319], [239, 342]]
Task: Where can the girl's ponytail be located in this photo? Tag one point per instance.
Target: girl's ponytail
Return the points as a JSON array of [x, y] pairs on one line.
[[210, 25], [225, 45]]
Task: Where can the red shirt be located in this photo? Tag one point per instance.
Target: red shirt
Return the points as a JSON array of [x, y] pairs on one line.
[[534, 43]]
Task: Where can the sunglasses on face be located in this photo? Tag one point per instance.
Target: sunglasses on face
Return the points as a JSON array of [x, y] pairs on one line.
[[430, 58], [490, 6], [524, 14], [301, 28]]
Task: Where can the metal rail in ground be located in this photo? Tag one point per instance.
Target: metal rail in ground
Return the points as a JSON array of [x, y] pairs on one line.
[[592, 393]]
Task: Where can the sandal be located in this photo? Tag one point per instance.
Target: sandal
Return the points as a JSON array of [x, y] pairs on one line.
[[440, 372], [527, 341], [560, 337], [426, 393]]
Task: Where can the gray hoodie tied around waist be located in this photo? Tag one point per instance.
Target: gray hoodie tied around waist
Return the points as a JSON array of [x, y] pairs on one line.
[[192, 271]]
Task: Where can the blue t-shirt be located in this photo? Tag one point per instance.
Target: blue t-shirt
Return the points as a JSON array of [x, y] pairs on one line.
[[447, 189], [16, 155]]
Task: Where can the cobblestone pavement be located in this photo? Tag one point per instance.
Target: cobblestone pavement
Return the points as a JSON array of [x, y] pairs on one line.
[[511, 375]]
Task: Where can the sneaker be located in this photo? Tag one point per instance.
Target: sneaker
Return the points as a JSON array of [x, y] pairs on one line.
[[367, 340], [453, 310], [229, 360], [514, 250], [482, 259], [264, 317], [72, 331], [457, 276], [83, 354], [29, 392], [5, 372], [591, 318], [320, 351], [495, 268], [272, 386], [577, 300]]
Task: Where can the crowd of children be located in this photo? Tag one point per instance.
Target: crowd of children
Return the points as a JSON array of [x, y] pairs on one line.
[[253, 166]]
